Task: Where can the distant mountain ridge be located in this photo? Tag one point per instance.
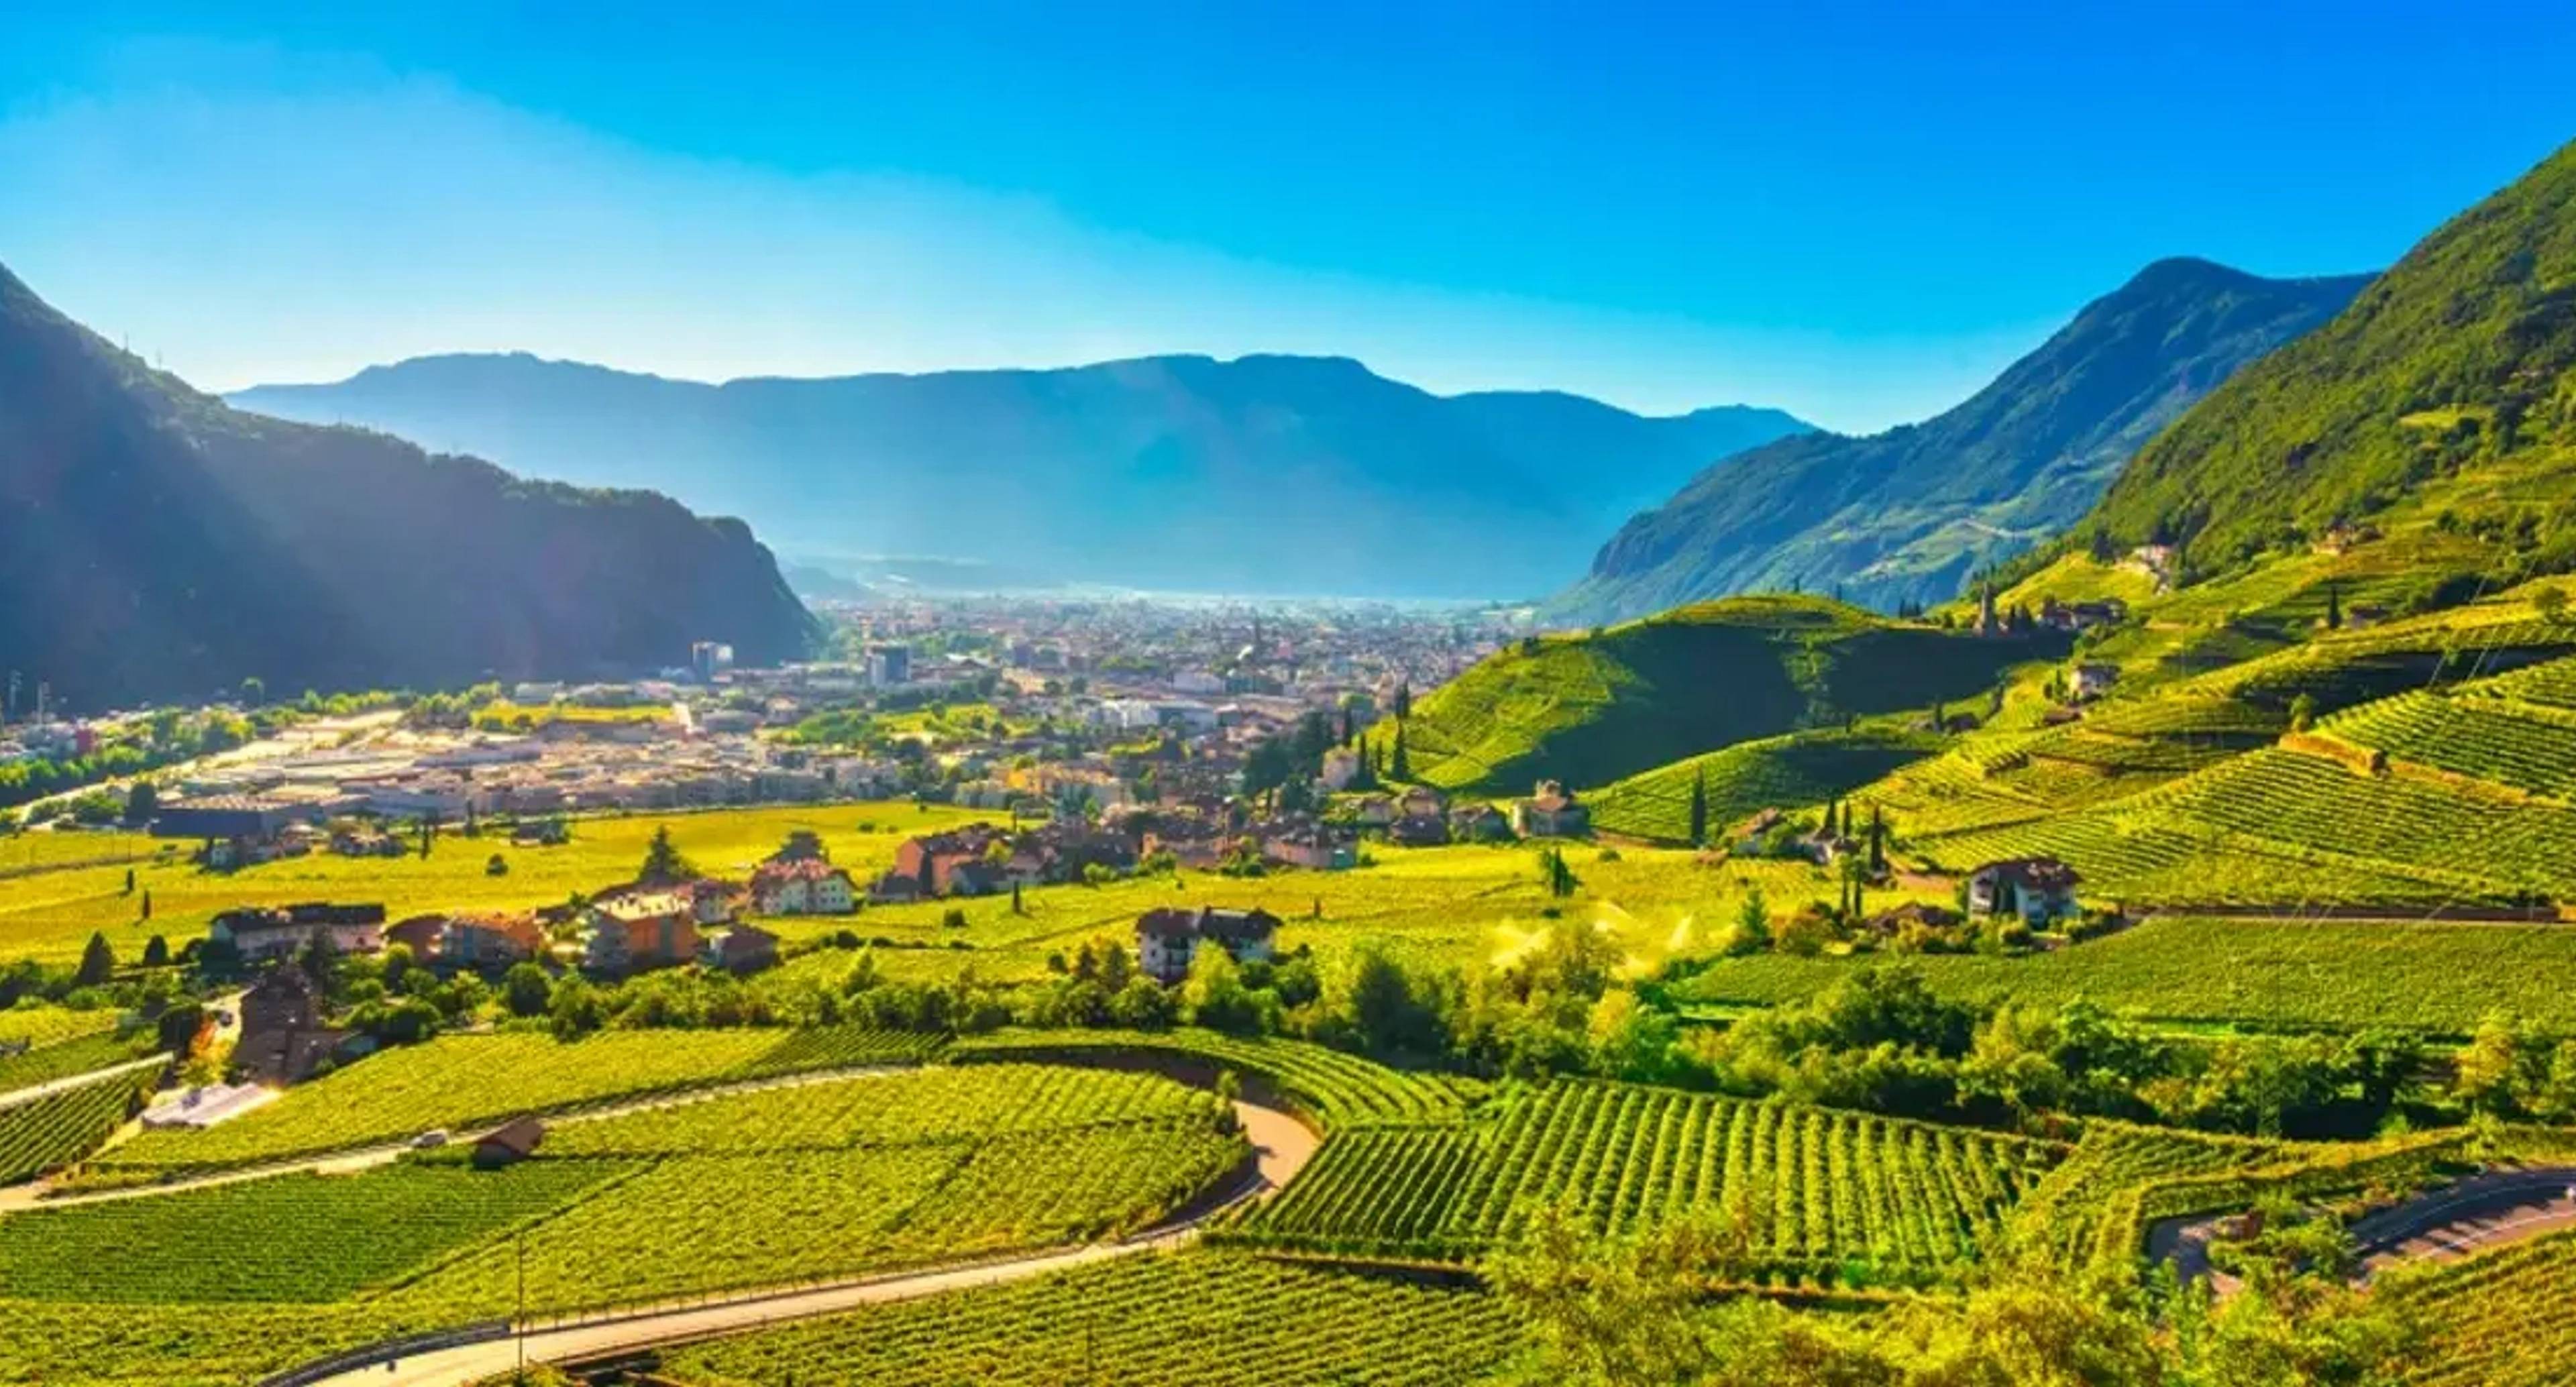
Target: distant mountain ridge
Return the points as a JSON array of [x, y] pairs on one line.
[[155, 543], [1908, 514], [1264, 474]]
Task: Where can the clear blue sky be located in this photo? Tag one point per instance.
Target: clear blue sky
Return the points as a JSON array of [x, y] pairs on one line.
[[1857, 212]]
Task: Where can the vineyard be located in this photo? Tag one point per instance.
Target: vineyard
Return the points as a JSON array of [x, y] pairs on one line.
[[54, 1129], [1835, 1197], [2524, 746], [2267, 974], [2498, 1319], [467, 1081], [1799, 769], [2081, 1213], [1204, 1319], [45, 1064], [1328, 1086]]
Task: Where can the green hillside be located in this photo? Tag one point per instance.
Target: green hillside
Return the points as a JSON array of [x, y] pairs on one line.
[[2458, 365], [1592, 708], [1794, 769]]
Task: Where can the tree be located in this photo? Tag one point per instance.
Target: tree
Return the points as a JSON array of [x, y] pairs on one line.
[[1699, 810], [2550, 603], [254, 691], [1555, 875], [156, 952], [2334, 605], [147, 906], [526, 990], [1403, 702], [1752, 926], [663, 862], [1399, 765], [98, 962], [142, 802]]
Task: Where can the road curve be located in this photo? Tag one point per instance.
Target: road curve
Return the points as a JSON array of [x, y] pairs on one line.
[[1281, 1146], [2489, 1209]]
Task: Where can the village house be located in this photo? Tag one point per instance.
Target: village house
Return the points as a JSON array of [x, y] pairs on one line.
[[1551, 812], [1316, 847], [484, 941], [744, 949], [802, 886], [1418, 800], [1751, 838], [282, 1036], [1373, 811], [258, 933], [1418, 831], [2087, 680], [2041, 890], [1167, 939], [1479, 823], [642, 929], [952, 863]]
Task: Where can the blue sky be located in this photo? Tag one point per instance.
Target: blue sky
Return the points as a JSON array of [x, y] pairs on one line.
[[1856, 212]]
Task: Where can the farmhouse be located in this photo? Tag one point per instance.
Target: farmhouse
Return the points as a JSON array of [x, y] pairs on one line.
[[2040, 890], [1479, 823], [258, 932], [1168, 938], [2090, 679], [642, 930], [1550, 813], [744, 949], [1418, 831], [802, 886], [1314, 846], [282, 1036]]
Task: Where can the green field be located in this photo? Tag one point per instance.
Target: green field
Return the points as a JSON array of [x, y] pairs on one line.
[[50, 915], [1159, 1320], [2499, 1319], [1797, 770], [1590, 709], [465, 1081], [1837, 1198], [1330, 1087], [2289, 974], [45, 1131]]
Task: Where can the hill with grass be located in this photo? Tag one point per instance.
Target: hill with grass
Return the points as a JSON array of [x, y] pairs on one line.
[[1907, 515], [1590, 708], [2444, 397], [155, 543]]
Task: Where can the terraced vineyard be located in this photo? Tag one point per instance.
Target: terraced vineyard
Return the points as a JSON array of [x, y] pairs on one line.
[[1802, 768], [1331, 1087], [2498, 1319], [2524, 746], [1202, 1319], [2266, 974], [296, 1238], [466, 1081], [1840, 1197], [62, 1060], [53, 1129], [38, 1026], [2083, 1212]]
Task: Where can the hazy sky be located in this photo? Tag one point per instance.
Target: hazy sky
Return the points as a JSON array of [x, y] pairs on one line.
[[1854, 212]]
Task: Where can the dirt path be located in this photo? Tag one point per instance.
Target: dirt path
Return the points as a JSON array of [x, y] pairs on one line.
[[2485, 1210], [1281, 1147], [32, 1092]]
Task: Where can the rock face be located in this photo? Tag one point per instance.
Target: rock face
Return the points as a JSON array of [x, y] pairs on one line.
[[1908, 514], [1268, 474], [156, 543]]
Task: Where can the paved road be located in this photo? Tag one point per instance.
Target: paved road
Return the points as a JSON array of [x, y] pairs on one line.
[[2485, 1210], [41, 1195], [1281, 1146]]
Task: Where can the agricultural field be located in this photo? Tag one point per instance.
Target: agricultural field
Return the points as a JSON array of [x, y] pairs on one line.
[[2266, 974], [36, 1025], [465, 1081], [46, 1063], [2498, 1319], [1797, 770], [1832, 1197], [46, 1130], [50, 915], [50, 850], [2082, 1210], [863, 1174], [1206, 1319], [1332, 1088]]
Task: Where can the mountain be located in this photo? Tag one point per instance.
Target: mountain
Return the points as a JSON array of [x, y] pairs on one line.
[[1908, 514], [156, 543], [1269, 474], [1591, 708], [2452, 376]]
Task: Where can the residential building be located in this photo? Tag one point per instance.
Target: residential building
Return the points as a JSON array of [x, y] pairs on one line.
[[1551, 812], [642, 929], [282, 1036], [745, 949], [1167, 939], [2041, 890], [258, 933], [802, 886]]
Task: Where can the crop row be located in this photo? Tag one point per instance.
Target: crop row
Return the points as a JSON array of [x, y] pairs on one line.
[[53, 1129], [1799, 769], [1812, 1188], [1333, 1088], [1156, 1320], [2499, 1319], [2070, 1216], [2533, 751], [466, 1081], [47, 1063], [929, 1105], [2552, 685]]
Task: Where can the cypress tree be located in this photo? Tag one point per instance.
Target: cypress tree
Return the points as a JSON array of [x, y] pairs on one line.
[[1699, 810], [1401, 767], [98, 962]]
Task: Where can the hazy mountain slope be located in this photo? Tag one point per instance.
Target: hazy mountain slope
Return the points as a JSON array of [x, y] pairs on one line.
[[1592, 708], [2461, 359], [1267, 474], [154, 542], [1907, 514]]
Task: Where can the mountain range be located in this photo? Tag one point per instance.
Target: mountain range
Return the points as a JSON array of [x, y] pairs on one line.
[[1907, 515], [1264, 474], [155, 543]]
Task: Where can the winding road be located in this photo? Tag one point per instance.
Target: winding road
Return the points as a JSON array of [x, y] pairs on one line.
[[2489, 1209], [1281, 1147]]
